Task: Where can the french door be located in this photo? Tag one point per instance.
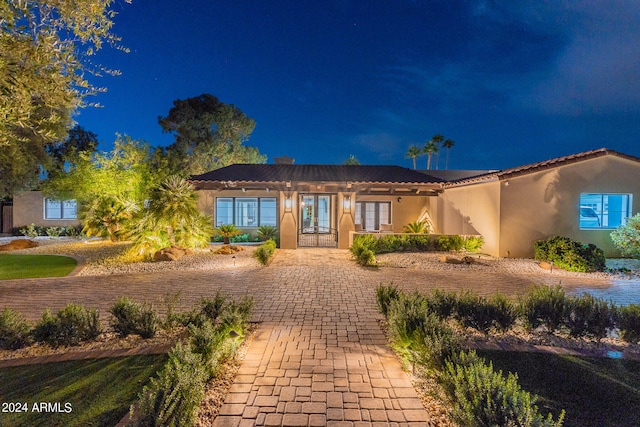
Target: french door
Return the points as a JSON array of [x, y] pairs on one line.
[[315, 221]]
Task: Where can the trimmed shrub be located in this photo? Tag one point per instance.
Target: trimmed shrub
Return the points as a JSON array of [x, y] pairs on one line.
[[543, 305], [435, 342], [473, 243], [475, 311], [212, 308], [131, 317], [505, 311], [479, 396], [14, 330], [442, 303], [570, 255], [174, 397], [367, 258], [264, 252], [385, 294], [70, 326], [449, 243], [628, 322], [588, 316]]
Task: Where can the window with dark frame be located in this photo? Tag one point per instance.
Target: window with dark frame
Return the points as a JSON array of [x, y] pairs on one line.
[[246, 211], [60, 209], [604, 210]]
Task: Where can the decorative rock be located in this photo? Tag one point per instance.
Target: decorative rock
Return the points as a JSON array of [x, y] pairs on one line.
[[228, 250], [454, 260], [172, 253], [18, 244]]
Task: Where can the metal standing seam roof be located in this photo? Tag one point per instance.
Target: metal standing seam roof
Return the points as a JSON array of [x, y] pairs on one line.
[[538, 166], [268, 173]]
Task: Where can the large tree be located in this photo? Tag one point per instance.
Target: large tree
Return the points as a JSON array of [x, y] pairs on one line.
[[66, 153], [413, 153], [44, 52], [208, 135]]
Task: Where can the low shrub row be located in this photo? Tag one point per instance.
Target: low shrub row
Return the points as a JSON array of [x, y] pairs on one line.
[[264, 252], [366, 246], [476, 394], [174, 397], [543, 307], [33, 230], [570, 255]]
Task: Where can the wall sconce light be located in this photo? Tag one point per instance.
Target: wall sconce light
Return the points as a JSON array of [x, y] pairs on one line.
[[346, 203], [288, 204], [244, 190], [267, 189], [399, 199]]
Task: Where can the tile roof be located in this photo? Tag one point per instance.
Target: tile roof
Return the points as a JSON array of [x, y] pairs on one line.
[[316, 173], [538, 166]]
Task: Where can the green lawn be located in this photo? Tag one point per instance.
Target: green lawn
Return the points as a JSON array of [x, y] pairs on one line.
[[95, 392], [14, 266], [592, 391]]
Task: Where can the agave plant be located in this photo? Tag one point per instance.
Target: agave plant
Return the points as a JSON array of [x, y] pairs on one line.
[[418, 227]]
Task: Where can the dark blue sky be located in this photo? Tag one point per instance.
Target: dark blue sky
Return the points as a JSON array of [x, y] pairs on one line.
[[510, 84]]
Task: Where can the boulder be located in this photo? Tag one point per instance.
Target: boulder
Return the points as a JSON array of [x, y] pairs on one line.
[[18, 244], [454, 260], [172, 253]]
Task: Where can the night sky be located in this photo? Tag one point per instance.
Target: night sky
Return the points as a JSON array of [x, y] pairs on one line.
[[510, 82]]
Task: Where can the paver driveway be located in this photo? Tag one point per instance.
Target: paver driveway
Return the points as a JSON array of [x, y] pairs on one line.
[[319, 356]]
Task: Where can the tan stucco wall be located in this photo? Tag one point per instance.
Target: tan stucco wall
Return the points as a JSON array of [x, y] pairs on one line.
[[28, 208], [543, 204], [472, 209], [513, 213]]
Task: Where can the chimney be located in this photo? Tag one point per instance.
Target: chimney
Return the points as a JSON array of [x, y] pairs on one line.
[[283, 160]]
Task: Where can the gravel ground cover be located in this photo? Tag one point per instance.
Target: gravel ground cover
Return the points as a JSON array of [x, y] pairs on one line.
[[102, 257], [622, 268]]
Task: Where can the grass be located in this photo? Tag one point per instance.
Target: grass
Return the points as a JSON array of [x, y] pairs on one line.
[[592, 391], [99, 391], [14, 266]]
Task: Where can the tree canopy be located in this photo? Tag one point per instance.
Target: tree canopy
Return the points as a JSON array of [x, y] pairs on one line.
[[44, 56], [208, 135]]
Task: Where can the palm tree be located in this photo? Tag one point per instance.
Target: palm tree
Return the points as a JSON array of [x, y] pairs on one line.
[[437, 139], [430, 149], [448, 144], [413, 153]]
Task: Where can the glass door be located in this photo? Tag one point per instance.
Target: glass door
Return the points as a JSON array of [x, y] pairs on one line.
[[315, 214]]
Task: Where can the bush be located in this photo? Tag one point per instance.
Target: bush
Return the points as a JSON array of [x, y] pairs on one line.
[[435, 342], [570, 255], [264, 252], [267, 232], [14, 330], [588, 316], [442, 303], [209, 342], [406, 315], [475, 312], [628, 322], [419, 227], [236, 315], [174, 397], [367, 258], [473, 243], [480, 396], [543, 305], [212, 308], [385, 294], [505, 312], [627, 237], [449, 243], [131, 317], [70, 326]]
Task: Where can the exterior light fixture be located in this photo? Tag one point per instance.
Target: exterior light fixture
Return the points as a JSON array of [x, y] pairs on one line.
[[244, 190], [288, 203], [346, 203], [399, 199]]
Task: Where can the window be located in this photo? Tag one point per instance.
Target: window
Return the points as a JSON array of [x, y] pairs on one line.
[[604, 210], [246, 211], [59, 209], [371, 214]]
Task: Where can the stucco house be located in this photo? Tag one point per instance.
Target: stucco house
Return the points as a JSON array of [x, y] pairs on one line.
[[583, 196]]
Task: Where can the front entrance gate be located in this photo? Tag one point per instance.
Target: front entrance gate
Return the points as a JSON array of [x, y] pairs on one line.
[[315, 222]]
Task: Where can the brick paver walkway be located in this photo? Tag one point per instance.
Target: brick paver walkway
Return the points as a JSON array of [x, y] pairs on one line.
[[319, 356]]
